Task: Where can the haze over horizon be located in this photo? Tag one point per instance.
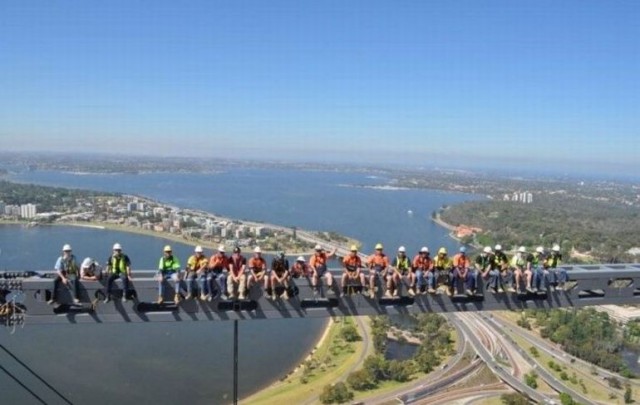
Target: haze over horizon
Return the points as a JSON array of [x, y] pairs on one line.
[[498, 83]]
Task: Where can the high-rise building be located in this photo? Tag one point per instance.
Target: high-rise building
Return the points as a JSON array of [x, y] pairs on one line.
[[27, 211]]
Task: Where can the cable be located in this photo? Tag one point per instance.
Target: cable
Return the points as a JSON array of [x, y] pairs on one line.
[[22, 385], [42, 380]]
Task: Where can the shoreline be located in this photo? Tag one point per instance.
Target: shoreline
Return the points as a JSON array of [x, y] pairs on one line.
[[322, 337]]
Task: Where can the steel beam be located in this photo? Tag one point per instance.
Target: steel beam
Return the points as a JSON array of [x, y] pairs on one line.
[[590, 285]]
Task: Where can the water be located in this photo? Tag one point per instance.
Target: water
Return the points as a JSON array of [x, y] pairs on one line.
[[182, 361], [311, 200], [631, 359], [400, 351]]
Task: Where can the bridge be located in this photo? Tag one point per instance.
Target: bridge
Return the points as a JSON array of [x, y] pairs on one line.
[[24, 296]]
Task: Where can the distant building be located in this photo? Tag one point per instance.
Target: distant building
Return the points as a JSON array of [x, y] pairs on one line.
[[140, 206], [529, 198], [27, 211], [2, 206], [12, 210], [131, 206]]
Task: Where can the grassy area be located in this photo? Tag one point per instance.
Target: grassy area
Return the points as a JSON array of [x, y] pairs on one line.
[[332, 360]]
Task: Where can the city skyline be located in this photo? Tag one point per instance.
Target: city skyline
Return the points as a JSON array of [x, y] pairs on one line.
[[529, 84]]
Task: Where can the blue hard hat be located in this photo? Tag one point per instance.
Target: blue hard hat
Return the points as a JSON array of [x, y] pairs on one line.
[[463, 249]]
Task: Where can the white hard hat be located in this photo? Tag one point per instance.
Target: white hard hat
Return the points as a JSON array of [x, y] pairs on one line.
[[300, 259], [86, 263], [498, 247], [540, 249], [522, 249], [257, 250], [424, 249], [402, 249], [556, 248], [318, 247], [167, 248], [116, 246], [221, 249], [66, 247], [487, 249], [198, 249]]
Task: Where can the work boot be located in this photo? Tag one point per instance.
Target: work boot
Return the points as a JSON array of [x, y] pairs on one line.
[[160, 300], [431, 290], [450, 292], [469, 293], [209, 297], [203, 297], [492, 290], [188, 297], [107, 300], [387, 294], [511, 289], [51, 301], [242, 296], [177, 298], [124, 297], [411, 292], [500, 290], [285, 295]]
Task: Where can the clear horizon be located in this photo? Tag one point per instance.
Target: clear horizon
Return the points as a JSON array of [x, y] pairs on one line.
[[500, 84]]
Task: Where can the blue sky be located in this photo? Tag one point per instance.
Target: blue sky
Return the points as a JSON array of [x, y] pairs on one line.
[[380, 81]]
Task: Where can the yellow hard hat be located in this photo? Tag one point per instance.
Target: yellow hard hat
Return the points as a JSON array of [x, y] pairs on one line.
[[379, 246], [167, 248], [354, 248], [442, 251]]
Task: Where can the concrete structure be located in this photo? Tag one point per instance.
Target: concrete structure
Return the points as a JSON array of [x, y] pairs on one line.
[[28, 211]]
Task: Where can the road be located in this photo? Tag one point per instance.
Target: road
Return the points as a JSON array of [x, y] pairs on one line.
[[496, 368], [542, 372]]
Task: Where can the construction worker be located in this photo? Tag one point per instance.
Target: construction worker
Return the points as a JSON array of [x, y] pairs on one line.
[[378, 264], [443, 266], [118, 266], [352, 273], [218, 270], [257, 269], [236, 281], [422, 265], [168, 269], [318, 265], [90, 270], [300, 268], [462, 272], [401, 269], [501, 264], [67, 270], [521, 264], [196, 269], [541, 276], [558, 274], [278, 277], [486, 267]]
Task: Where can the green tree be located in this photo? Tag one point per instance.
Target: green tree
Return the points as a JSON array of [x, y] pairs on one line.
[[336, 394], [400, 371], [362, 380], [566, 399], [350, 333], [377, 367]]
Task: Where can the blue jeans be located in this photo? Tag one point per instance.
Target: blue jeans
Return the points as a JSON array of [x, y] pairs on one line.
[[541, 278], [420, 282], [166, 276], [219, 277], [431, 279], [204, 282], [469, 280], [494, 279], [125, 283], [190, 279], [559, 276]]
